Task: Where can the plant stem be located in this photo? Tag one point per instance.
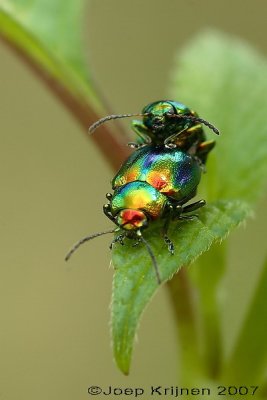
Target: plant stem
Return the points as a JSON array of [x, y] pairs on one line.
[[109, 143], [181, 296], [210, 268], [197, 365], [250, 347]]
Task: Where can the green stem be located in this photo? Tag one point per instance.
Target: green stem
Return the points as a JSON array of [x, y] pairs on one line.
[[210, 268], [251, 347], [181, 296], [108, 141], [196, 364]]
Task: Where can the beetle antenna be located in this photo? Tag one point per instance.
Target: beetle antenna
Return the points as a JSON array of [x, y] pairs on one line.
[[101, 121], [83, 240], [197, 119], [153, 258]]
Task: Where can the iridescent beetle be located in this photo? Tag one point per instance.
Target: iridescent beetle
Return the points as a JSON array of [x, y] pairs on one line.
[[172, 124], [155, 182]]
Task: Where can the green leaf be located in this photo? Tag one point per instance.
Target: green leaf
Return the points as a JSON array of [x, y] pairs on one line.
[[49, 33], [248, 360], [134, 277], [225, 81]]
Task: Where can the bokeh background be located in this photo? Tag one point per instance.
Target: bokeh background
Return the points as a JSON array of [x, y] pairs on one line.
[[54, 334]]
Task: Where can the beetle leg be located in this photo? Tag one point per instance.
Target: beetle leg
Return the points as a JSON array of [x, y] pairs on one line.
[[193, 206], [170, 141], [169, 243], [134, 145], [106, 210], [109, 196], [181, 210], [177, 212], [188, 217], [166, 238], [203, 149], [137, 242], [189, 208], [120, 238], [141, 131], [186, 137]]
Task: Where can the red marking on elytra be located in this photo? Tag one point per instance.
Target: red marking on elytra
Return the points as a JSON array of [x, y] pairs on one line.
[[157, 181], [170, 192], [130, 176]]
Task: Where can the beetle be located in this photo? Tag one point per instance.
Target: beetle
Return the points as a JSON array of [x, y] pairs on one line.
[[169, 123], [155, 182]]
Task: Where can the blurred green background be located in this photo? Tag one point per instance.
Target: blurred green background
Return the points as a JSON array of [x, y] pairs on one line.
[[54, 335]]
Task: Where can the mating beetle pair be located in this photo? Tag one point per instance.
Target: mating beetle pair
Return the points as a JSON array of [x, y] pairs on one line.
[[160, 176]]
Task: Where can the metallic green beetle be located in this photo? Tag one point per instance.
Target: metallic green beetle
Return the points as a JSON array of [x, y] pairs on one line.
[[154, 183], [171, 171], [161, 176], [172, 124]]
